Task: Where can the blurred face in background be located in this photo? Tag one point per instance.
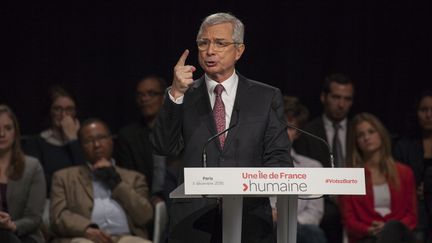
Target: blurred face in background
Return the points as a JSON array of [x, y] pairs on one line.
[[61, 107], [424, 113], [292, 133], [337, 103], [7, 132], [368, 138], [96, 142], [149, 97]]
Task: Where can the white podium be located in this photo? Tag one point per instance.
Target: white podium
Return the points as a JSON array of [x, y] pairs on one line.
[[232, 184]]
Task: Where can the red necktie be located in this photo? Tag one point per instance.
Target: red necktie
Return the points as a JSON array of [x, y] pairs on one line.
[[219, 113]]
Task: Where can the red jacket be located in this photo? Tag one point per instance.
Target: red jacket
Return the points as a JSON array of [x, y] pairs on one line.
[[358, 211]]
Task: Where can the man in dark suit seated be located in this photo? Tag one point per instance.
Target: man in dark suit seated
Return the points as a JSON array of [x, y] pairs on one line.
[[133, 147], [194, 111], [336, 97], [98, 201]]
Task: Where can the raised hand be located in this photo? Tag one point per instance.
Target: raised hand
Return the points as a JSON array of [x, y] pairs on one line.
[[70, 127], [6, 222], [375, 228], [183, 76], [97, 235], [102, 163]]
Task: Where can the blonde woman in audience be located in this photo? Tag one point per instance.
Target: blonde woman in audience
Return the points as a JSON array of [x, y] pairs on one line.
[[22, 186], [388, 211]]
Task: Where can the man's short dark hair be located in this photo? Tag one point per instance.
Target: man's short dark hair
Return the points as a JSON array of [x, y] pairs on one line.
[[295, 110], [339, 78], [159, 79], [89, 121]]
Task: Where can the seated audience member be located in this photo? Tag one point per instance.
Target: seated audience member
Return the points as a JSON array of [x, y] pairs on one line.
[[388, 211], [98, 201], [337, 97], [428, 196], [309, 212], [22, 186], [416, 151], [133, 148], [57, 147]]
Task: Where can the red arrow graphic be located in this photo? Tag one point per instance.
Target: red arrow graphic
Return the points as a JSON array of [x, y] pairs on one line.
[[245, 187]]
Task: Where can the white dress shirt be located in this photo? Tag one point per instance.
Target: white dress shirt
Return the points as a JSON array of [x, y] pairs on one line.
[[228, 95], [107, 213], [308, 211]]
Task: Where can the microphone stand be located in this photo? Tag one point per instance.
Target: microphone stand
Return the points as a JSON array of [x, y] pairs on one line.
[[204, 153], [331, 157]]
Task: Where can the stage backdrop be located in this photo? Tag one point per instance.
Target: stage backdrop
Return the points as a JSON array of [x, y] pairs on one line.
[[99, 50]]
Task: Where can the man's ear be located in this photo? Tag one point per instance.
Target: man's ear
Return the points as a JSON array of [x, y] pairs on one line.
[[323, 97], [240, 48]]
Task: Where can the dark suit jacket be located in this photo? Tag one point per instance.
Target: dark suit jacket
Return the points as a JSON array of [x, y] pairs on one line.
[[26, 200], [53, 157], [72, 201], [311, 147], [259, 139], [134, 150], [410, 151]]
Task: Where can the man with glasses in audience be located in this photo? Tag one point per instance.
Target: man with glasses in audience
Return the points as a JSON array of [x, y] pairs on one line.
[[133, 148], [194, 111], [99, 201]]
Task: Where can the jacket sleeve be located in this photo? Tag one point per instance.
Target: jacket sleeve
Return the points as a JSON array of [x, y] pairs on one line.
[[349, 218], [428, 190], [76, 153], [34, 206], [167, 137], [123, 152], [64, 222], [410, 216], [276, 143], [133, 197]]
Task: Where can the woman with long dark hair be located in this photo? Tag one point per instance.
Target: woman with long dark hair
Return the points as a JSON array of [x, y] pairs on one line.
[[415, 150]]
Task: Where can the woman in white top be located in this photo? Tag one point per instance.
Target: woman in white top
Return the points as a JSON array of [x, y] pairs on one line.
[[387, 213]]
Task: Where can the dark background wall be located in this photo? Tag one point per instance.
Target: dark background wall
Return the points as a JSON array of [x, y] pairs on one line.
[[100, 49]]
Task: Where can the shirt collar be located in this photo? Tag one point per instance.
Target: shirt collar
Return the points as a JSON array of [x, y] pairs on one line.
[[49, 136], [328, 123], [228, 84]]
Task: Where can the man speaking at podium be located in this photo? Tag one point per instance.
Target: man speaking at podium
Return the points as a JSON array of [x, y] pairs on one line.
[[222, 99]]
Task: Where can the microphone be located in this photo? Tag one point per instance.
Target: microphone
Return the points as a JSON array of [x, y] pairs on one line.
[[316, 137], [309, 134], [204, 153]]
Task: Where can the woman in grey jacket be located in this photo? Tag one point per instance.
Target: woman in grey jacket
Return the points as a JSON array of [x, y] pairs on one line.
[[22, 186]]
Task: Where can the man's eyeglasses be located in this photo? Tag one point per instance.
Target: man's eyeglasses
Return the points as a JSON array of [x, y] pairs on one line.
[[59, 109], [218, 45], [98, 138]]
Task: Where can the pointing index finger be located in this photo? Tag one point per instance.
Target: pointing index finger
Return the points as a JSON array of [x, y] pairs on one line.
[[182, 60]]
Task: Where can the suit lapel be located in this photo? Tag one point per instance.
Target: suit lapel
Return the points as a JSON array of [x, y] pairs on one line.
[[239, 105], [86, 181], [202, 104], [321, 130]]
